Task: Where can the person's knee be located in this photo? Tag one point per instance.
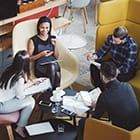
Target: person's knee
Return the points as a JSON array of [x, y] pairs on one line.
[[93, 67], [31, 102]]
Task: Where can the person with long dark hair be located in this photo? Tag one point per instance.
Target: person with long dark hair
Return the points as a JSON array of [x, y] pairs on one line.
[[12, 84], [42, 49]]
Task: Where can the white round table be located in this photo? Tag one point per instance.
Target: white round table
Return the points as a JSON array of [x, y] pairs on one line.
[[72, 41]]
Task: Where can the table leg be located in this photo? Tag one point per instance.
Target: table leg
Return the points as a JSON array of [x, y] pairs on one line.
[[41, 116], [74, 120], [88, 114]]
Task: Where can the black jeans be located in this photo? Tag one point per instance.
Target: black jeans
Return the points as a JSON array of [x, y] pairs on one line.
[[80, 129], [95, 76]]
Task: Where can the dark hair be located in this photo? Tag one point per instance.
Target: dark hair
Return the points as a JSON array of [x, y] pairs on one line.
[[120, 32], [16, 70], [109, 69], [44, 19]]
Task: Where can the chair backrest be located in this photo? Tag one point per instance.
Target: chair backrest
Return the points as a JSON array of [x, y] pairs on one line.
[[21, 34], [101, 130]]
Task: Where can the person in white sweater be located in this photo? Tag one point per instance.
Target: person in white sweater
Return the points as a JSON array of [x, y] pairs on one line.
[[12, 84]]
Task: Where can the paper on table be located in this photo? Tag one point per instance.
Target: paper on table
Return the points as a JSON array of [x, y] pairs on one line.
[[39, 128], [89, 97], [75, 106]]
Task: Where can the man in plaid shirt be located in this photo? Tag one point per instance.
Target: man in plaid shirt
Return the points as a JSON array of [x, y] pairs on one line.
[[124, 54]]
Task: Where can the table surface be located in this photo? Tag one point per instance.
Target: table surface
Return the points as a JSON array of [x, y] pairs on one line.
[[68, 134], [48, 109]]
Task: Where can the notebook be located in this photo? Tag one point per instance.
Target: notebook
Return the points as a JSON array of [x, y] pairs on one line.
[[39, 128]]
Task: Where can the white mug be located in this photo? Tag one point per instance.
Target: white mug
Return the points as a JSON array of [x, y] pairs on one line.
[[56, 95]]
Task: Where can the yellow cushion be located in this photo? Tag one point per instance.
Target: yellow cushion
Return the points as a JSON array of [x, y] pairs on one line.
[[133, 12], [112, 11]]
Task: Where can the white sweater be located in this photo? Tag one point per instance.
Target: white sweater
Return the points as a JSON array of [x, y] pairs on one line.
[[16, 91]]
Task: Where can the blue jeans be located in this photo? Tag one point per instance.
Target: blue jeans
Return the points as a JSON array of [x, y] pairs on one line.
[[25, 106]]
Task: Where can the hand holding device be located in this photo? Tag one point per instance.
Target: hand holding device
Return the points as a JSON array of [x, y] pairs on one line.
[[47, 51], [91, 57]]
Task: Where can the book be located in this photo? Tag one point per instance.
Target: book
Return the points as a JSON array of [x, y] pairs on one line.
[[39, 128], [89, 97], [74, 105], [36, 88]]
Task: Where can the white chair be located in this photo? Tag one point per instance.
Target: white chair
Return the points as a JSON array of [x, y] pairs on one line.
[[69, 65], [81, 5]]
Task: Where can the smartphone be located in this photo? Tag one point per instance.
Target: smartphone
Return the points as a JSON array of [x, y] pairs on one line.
[[47, 51], [53, 37], [45, 103], [67, 112], [60, 128]]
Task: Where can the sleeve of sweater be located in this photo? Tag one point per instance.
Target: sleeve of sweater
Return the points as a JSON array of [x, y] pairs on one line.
[[100, 107], [105, 49], [19, 88]]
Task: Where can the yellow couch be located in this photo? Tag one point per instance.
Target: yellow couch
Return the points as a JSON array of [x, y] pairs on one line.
[[95, 6], [116, 13], [101, 130]]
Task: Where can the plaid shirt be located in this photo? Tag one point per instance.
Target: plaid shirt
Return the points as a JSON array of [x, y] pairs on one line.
[[123, 55]]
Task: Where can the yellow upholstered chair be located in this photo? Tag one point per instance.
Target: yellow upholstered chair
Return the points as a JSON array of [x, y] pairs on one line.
[[101, 130], [116, 13], [95, 8], [69, 65]]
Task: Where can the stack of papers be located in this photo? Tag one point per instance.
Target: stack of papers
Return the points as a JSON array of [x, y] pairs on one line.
[[39, 128], [76, 106], [89, 97]]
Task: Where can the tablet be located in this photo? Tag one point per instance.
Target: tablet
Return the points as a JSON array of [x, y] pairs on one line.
[[54, 61]]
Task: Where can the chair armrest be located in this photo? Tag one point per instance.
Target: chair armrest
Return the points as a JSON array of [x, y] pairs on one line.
[[101, 130], [69, 60]]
